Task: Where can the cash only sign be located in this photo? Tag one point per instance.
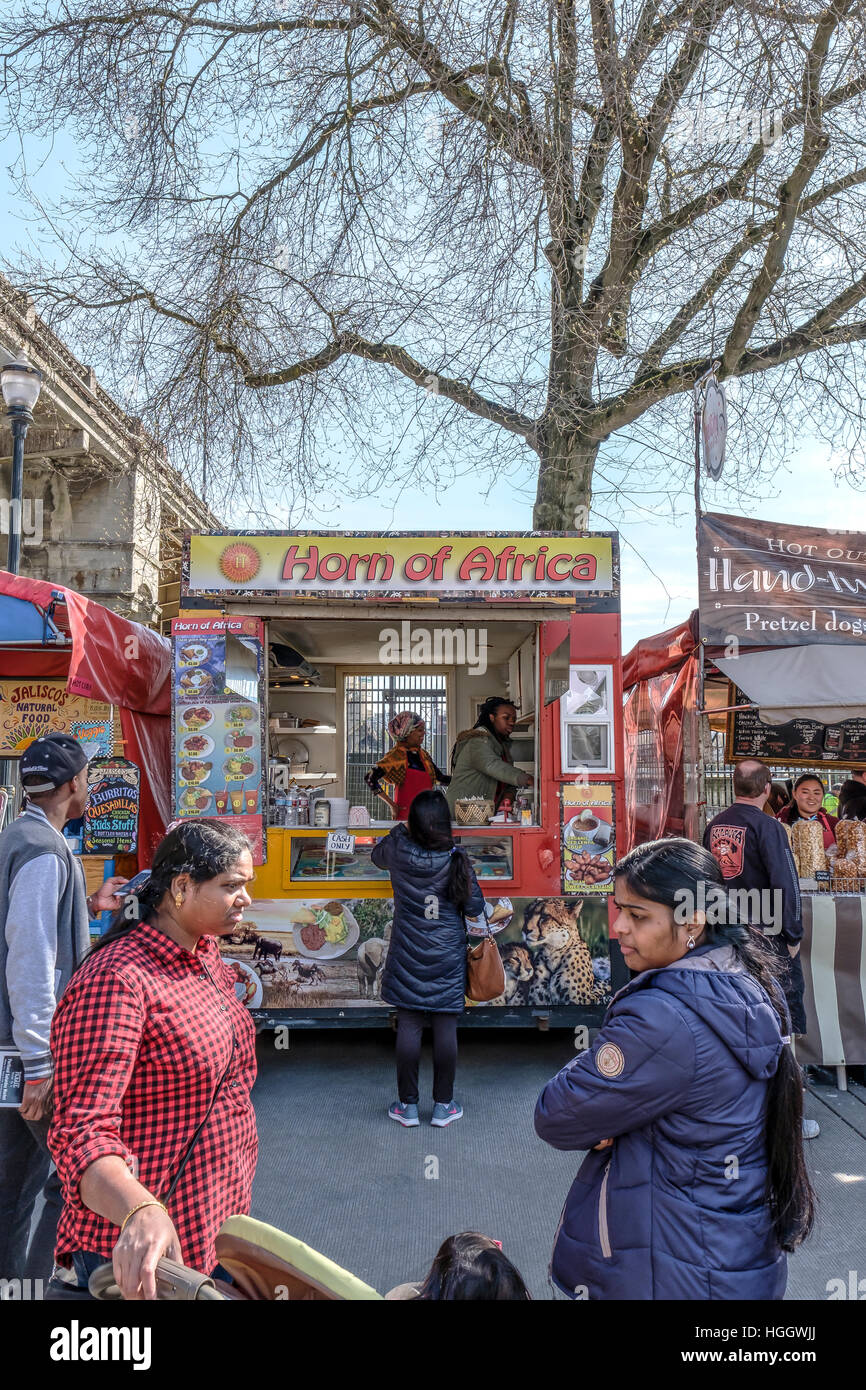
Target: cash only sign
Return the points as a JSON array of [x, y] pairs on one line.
[[400, 565], [771, 585]]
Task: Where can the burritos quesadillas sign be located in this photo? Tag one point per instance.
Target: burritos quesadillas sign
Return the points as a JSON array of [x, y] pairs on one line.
[[772, 585]]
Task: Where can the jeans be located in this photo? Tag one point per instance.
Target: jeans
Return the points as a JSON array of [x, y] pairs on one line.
[[25, 1170], [410, 1026]]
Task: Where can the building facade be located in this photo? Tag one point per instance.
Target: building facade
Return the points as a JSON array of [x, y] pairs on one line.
[[103, 512]]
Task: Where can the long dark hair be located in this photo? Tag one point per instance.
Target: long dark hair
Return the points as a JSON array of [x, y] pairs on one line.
[[430, 827], [471, 1266], [657, 871], [794, 813], [201, 848]]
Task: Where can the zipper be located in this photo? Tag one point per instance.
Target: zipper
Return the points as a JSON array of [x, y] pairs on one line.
[[603, 1232]]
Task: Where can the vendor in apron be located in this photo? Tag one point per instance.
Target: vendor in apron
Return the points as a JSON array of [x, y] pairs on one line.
[[408, 766]]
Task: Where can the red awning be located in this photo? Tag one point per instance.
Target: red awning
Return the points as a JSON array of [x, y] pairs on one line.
[[664, 651], [112, 659]]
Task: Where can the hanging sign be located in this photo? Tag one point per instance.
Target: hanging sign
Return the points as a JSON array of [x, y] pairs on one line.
[[714, 428], [111, 813], [31, 708]]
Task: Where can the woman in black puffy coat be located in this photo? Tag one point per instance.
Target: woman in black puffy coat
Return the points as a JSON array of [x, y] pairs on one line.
[[425, 971]]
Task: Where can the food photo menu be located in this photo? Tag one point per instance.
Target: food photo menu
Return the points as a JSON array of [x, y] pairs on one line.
[[218, 721]]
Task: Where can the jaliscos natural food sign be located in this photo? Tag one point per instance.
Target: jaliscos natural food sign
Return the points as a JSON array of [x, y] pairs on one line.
[[539, 565]]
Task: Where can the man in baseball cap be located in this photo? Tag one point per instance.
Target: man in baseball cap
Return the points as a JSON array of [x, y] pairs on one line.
[[44, 934]]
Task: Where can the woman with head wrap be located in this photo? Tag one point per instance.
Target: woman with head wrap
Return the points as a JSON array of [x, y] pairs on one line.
[[408, 766]]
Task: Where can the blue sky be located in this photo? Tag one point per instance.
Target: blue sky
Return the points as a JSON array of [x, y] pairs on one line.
[[659, 573]]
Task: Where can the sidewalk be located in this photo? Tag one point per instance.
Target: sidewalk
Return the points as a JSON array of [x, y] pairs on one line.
[[379, 1199]]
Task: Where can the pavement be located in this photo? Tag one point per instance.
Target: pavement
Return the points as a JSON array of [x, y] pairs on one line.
[[379, 1199]]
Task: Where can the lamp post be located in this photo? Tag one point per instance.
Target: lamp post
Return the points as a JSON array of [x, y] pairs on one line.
[[21, 384]]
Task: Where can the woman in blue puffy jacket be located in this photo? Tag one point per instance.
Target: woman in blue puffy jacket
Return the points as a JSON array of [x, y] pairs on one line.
[[425, 969], [690, 1102]]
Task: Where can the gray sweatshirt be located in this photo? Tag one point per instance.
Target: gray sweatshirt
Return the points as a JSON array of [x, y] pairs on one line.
[[44, 933]]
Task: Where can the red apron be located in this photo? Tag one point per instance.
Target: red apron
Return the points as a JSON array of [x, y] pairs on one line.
[[415, 781]]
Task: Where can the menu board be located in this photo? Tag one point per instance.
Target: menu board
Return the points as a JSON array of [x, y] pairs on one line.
[[795, 743], [111, 812], [218, 722], [588, 838]]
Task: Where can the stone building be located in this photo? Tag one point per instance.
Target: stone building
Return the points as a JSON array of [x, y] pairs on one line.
[[104, 512]]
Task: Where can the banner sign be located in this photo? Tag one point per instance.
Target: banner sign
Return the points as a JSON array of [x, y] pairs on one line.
[[588, 838], [218, 722], [714, 428], [768, 584], [111, 812], [401, 565], [29, 709]]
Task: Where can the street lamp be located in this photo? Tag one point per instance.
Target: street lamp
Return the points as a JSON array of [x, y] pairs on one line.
[[21, 384]]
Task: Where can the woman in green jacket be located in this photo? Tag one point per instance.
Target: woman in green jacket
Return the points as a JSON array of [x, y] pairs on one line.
[[482, 763]]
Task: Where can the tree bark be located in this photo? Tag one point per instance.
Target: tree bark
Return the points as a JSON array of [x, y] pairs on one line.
[[566, 463]]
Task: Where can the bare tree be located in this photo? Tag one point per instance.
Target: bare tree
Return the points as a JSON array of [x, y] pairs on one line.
[[451, 230]]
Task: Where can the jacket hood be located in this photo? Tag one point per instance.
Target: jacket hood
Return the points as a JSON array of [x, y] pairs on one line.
[[478, 733], [410, 853], [713, 983]]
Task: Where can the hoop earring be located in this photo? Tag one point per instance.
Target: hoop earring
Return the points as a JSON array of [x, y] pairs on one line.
[[690, 944]]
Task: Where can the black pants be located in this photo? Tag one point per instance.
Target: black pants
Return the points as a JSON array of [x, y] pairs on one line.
[[25, 1171], [790, 971], [409, 1029]]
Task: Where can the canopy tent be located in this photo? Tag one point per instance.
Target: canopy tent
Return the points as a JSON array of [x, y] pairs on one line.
[[824, 683], [47, 630]]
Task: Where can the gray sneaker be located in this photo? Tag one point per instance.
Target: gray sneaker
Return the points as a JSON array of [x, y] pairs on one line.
[[404, 1114], [444, 1114], [811, 1129]]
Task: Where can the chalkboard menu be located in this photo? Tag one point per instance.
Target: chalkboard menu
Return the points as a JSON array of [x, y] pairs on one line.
[[798, 743], [111, 813]]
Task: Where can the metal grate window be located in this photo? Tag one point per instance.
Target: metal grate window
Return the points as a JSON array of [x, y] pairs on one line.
[[370, 702]]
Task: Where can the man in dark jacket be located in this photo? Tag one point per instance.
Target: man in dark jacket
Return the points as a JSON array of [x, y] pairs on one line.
[[758, 867], [44, 934]]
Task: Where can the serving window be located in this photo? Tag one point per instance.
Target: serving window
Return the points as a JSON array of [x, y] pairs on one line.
[[490, 857], [311, 863]]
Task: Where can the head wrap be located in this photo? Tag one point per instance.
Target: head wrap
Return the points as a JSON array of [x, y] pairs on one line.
[[401, 725]]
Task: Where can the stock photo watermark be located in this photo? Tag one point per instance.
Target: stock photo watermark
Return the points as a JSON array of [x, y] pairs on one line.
[[441, 646], [702, 126], [24, 517]]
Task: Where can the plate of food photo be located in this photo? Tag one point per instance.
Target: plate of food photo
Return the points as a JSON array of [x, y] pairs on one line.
[[197, 718], [237, 742], [192, 772], [238, 769], [238, 715], [496, 917], [323, 933], [248, 986], [195, 746], [193, 654], [199, 679], [195, 801]]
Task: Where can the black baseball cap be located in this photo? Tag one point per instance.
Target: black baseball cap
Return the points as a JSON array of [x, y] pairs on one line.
[[56, 757]]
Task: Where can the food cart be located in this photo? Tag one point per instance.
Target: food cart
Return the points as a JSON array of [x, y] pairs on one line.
[[774, 667], [292, 651], [68, 665]]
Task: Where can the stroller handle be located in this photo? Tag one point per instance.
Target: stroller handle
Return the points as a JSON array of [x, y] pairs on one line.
[[174, 1283]]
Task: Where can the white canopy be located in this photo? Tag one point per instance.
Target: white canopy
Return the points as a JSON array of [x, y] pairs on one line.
[[820, 682]]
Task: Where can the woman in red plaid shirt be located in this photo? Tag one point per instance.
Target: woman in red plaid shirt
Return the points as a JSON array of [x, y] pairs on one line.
[[148, 1032]]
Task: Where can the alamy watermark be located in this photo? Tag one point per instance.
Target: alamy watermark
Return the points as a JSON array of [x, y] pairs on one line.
[[28, 518], [441, 646], [756, 907], [702, 126]]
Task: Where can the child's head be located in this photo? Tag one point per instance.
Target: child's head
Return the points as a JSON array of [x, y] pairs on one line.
[[407, 728], [471, 1266], [430, 820]]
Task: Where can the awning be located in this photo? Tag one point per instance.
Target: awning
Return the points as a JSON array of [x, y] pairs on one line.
[[826, 683]]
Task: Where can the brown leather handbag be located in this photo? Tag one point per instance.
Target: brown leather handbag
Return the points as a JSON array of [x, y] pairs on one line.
[[485, 974]]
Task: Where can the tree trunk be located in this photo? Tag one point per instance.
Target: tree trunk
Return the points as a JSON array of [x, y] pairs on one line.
[[566, 464]]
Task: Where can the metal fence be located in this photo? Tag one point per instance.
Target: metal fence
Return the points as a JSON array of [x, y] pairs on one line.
[[371, 701]]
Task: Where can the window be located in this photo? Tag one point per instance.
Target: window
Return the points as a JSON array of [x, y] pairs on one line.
[[370, 702]]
